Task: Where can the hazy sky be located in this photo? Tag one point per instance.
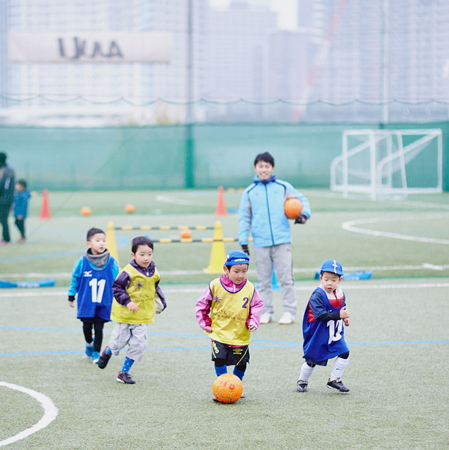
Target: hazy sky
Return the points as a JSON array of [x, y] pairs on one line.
[[286, 9]]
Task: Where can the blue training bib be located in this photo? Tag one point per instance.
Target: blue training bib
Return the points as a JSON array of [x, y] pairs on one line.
[[323, 340], [95, 291]]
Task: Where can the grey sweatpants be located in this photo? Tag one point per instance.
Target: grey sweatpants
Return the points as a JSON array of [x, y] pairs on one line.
[[281, 257], [134, 335]]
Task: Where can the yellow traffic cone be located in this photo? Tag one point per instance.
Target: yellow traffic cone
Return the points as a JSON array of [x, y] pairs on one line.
[[218, 254], [110, 242]]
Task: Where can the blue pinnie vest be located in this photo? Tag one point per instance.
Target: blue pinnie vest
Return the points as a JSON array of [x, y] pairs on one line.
[[95, 291], [323, 340]]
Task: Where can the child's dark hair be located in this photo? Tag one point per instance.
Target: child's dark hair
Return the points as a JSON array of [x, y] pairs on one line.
[[230, 267], [141, 240], [265, 157], [22, 183], [93, 231]]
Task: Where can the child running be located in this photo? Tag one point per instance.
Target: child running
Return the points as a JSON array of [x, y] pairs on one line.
[[92, 279], [323, 328], [228, 310], [133, 307]]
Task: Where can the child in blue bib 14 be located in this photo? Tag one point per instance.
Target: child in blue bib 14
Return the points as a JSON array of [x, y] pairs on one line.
[[323, 328], [92, 280], [228, 310]]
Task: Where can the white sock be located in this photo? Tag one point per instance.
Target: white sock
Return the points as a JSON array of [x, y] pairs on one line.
[[306, 372], [340, 365]]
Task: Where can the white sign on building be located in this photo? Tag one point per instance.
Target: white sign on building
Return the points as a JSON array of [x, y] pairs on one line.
[[101, 47]]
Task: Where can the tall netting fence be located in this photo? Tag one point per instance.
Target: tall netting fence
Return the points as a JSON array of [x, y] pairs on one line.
[[179, 156]]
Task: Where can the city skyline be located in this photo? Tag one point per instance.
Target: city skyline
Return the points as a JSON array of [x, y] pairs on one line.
[[286, 10]]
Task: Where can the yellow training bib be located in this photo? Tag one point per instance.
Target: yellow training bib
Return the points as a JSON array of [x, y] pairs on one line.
[[229, 313], [141, 291]]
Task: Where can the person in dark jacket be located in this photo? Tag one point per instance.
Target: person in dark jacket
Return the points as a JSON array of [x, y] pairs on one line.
[[21, 207], [6, 196]]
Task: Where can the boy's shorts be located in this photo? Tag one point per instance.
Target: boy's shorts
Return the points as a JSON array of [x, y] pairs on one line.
[[234, 356]]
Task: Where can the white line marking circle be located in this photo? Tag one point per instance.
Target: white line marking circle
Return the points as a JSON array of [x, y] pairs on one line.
[[350, 226], [50, 413]]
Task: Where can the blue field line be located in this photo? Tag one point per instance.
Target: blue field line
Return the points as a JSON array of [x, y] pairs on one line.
[[399, 342], [82, 351], [171, 349], [153, 333], [256, 343], [120, 241]]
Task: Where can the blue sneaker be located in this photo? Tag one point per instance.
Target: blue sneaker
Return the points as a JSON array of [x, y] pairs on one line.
[[89, 350], [95, 357]]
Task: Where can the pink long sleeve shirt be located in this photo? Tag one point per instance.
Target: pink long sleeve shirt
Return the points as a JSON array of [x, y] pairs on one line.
[[204, 303]]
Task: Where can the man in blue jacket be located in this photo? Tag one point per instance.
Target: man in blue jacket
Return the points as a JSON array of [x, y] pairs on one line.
[[262, 210]]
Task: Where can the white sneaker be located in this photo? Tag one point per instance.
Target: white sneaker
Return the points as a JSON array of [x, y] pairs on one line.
[[287, 319], [266, 318]]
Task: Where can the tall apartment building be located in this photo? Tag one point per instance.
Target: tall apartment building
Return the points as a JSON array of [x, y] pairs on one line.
[[3, 53], [377, 51], [238, 44]]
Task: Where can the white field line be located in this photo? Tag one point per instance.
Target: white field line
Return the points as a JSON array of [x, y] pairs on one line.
[[408, 202], [50, 413], [311, 270], [350, 226], [5, 276], [364, 284], [176, 201]]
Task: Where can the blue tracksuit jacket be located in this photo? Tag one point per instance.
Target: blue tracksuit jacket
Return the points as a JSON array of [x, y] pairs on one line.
[[21, 203], [262, 209]]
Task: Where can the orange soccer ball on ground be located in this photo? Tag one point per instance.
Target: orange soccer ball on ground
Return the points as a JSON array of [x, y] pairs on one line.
[[292, 208], [186, 234], [130, 209], [227, 388], [85, 211]]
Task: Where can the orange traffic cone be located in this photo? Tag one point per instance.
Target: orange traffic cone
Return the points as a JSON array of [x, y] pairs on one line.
[[45, 210], [221, 206]]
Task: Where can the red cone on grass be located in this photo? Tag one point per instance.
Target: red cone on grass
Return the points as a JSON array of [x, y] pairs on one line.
[[45, 209], [221, 205]]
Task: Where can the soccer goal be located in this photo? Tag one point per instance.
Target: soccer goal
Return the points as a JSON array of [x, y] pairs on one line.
[[388, 163]]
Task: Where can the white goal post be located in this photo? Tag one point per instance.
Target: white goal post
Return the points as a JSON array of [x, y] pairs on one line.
[[383, 163]]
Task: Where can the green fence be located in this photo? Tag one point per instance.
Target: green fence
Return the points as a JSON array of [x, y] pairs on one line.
[[179, 156]]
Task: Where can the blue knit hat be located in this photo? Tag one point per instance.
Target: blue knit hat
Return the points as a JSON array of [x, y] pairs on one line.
[[332, 266], [236, 257]]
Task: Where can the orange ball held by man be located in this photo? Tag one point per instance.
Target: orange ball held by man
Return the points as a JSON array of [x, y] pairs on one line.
[[292, 208]]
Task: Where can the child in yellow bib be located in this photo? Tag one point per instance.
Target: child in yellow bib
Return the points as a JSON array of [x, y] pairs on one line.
[[228, 310], [133, 307]]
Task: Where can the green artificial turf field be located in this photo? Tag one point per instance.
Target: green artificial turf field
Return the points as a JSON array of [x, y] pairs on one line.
[[397, 337]]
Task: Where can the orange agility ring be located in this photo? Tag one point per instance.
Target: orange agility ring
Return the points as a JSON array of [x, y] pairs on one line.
[[227, 388], [292, 208]]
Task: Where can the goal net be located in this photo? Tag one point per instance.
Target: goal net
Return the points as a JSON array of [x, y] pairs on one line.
[[384, 163]]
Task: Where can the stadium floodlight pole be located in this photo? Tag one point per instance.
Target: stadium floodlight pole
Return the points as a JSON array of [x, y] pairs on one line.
[[189, 141], [386, 62]]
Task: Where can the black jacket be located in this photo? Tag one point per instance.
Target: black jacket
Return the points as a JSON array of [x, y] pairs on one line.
[[7, 185]]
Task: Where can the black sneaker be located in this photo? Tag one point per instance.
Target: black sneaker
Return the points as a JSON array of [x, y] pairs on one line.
[[125, 377], [103, 360], [338, 385], [301, 386]]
